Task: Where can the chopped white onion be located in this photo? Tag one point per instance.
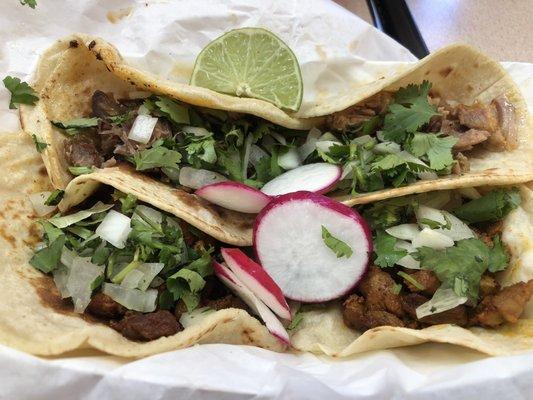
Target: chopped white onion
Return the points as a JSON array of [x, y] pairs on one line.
[[142, 128], [196, 131], [458, 229], [256, 154], [310, 143], [470, 193], [387, 148], [407, 261], [67, 257], [149, 271], [197, 178], [81, 277], [431, 238], [427, 175], [195, 317], [132, 279], [442, 300], [67, 220], [403, 231], [246, 157], [115, 229], [37, 201], [289, 160], [362, 140], [60, 279], [132, 299], [151, 213]]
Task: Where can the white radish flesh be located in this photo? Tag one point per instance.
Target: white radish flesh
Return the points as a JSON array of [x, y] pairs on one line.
[[432, 238], [234, 196], [272, 323], [289, 245], [197, 178], [317, 178], [257, 280]]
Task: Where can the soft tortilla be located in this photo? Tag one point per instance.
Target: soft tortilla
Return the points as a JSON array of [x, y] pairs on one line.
[[67, 76], [33, 318]]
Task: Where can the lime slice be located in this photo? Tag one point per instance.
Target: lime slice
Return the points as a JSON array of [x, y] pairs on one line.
[[251, 62]]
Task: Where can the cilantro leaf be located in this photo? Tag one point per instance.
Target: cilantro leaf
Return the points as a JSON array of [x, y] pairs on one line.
[[75, 124], [384, 247], [169, 108], [438, 149], [156, 156], [40, 146], [54, 198], [296, 321], [203, 265], [185, 285], [498, 257], [119, 120], [387, 213], [80, 170], [30, 3], [47, 258], [128, 203], [21, 92], [230, 161], [410, 93], [340, 248], [493, 206], [201, 148], [460, 267]]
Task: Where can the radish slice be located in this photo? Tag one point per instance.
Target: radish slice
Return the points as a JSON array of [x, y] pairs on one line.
[[272, 323], [234, 196], [197, 178], [317, 178], [257, 280], [289, 245]]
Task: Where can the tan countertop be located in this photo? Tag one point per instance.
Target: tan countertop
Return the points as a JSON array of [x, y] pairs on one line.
[[501, 28]]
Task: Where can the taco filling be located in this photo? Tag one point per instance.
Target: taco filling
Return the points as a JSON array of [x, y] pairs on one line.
[[142, 271], [389, 140], [434, 259]]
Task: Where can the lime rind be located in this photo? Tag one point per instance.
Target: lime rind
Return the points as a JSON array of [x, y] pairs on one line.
[[251, 62]]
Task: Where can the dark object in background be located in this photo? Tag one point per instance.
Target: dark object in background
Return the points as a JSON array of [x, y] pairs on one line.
[[394, 18]]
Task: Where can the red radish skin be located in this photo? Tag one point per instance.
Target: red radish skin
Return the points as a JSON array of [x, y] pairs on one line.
[[272, 323], [234, 196], [318, 178], [292, 252], [257, 280]]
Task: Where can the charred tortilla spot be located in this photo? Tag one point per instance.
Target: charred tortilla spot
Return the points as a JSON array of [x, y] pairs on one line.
[[469, 88], [92, 44], [42, 170], [73, 43], [99, 56], [445, 71]]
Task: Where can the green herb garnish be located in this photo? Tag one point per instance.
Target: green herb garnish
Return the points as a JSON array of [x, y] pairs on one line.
[[40, 146], [21, 92], [340, 248], [54, 198]]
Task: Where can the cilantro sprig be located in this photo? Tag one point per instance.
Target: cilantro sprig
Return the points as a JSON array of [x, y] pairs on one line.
[[340, 248], [21, 92]]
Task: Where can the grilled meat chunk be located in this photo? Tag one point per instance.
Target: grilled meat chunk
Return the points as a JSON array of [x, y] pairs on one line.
[[426, 278], [377, 288], [106, 106], [488, 285], [149, 326], [467, 140], [456, 316], [505, 306], [229, 301], [478, 116], [104, 306], [357, 316], [82, 151]]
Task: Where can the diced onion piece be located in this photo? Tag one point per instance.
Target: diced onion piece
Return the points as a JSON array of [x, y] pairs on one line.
[[404, 231], [256, 154], [310, 143], [143, 110], [197, 178], [196, 131], [37, 201], [407, 261], [427, 175], [324, 145], [458, 229], [470, 193], [60, 279], [115, 229], [81, 277], [195, 317], [387, 148], [290, 159], [149, 212], [432, 238], [67, 220], [362, 140], [67, 257], [132, 299], [142, 128], [149, 271], [132, 280], [442, 300], [246, 157]]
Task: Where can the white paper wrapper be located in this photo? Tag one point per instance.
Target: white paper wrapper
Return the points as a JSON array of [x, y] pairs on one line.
[[336, 50]]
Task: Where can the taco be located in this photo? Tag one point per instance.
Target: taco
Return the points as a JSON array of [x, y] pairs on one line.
[[454, 119], [147, 286]]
